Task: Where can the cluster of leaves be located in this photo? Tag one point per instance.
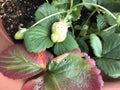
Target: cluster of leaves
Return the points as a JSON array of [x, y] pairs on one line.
[[69, 71], [95, 32]]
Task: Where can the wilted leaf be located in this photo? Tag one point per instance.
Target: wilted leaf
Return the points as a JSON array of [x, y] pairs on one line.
[[16, 62]]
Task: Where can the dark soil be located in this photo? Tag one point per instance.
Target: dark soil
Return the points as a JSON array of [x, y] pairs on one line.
[[17, 13]]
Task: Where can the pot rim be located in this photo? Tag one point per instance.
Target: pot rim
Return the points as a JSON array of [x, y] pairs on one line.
[[4, 33]]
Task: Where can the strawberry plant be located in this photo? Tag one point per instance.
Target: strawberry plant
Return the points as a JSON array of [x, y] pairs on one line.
[[59, 46]]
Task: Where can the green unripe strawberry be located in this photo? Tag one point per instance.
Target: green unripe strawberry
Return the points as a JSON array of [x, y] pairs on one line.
[[59, 31], [19, 34]]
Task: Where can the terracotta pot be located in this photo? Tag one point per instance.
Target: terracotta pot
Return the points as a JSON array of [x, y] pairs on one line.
[[6, 83]]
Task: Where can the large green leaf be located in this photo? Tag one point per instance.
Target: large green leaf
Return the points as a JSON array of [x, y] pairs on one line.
[[96, 45], [37, 39], [16, 62], [111, 47], [65, 46], [109, 66]]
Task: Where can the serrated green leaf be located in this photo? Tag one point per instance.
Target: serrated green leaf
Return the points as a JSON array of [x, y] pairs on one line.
[[37, 39], [96, 45], [101, 22], [17, 63], [65, 46], [110, 67], [111, 47]]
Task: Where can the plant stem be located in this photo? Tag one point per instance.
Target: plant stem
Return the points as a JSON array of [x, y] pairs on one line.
[[96, 5], [87, 21], [47, 1], [91, 16], [109, 28], [71, 3], [41, 20]]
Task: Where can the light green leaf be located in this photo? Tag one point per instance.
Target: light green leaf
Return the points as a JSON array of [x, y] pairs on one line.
[[37, 39], [96, 45], [101, 22], [111, 47], [110, 67], [65, 46]]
